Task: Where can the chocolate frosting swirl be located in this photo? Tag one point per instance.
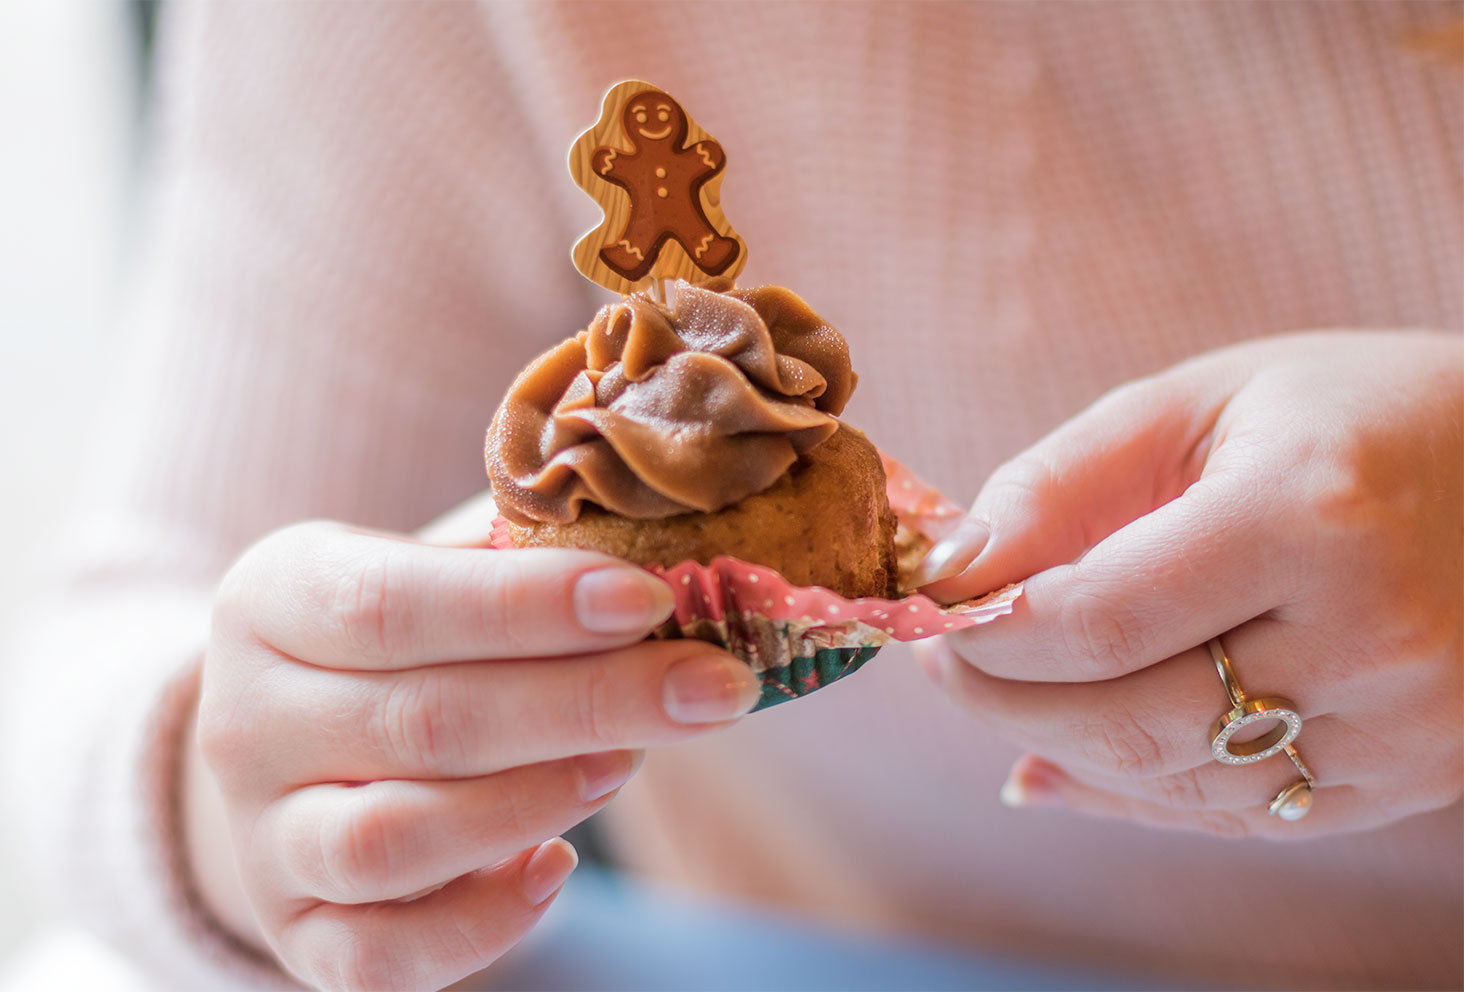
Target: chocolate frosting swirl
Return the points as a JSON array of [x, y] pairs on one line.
[[651, 411]]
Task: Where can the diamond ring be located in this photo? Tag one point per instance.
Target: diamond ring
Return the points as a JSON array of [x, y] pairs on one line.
[[1246, 712]]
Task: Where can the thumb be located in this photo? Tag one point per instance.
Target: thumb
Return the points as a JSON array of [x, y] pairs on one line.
[[1134, 450]]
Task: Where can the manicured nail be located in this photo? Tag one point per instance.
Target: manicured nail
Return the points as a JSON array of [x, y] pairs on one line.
[[953, 554], [709, 689], [621, 601], [601, 774], [1013, 794], [547, 869], [1026, 785]]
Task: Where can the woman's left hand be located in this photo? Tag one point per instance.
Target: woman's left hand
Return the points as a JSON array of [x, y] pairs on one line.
[[1298, 497]]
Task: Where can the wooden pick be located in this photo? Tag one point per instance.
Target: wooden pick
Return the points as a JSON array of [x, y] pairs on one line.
[[657, 176]]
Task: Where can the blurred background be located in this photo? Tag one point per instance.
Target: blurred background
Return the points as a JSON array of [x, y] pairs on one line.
[[73, 125]]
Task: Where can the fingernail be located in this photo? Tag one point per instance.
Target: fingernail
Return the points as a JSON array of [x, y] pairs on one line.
[[1013, 794], [709, 689], [547, 869], [601, 774], [1026, 786], [621, 601], [953, 554]]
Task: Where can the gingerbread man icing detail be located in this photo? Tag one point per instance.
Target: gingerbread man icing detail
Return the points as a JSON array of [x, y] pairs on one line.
[[663, 179]]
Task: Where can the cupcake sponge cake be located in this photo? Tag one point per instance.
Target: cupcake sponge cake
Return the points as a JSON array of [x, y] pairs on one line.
[[662, 434]]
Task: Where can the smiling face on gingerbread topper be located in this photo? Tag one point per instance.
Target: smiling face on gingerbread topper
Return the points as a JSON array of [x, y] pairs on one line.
[[656, 175], [654, 116]]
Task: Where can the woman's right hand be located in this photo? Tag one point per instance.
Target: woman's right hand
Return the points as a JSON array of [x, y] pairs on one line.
[[400, 731]]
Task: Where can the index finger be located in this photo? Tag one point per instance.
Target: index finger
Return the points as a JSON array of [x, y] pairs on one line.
[[1196, 567], [342, 598]]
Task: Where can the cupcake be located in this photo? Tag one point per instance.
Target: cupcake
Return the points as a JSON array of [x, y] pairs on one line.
[[687, 432], [701, 438]]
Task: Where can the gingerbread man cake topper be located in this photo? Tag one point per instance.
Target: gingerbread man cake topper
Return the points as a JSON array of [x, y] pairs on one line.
[[657, 176]]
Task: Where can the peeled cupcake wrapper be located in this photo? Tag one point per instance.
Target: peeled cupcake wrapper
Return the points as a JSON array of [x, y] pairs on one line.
[[801, 638]]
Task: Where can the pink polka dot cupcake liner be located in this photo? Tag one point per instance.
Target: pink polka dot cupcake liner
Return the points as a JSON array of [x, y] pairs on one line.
[[800, 638]]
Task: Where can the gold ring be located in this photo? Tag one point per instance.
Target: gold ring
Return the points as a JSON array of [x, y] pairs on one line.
[[1306, 773], [1295, 801], [1292, 802], [1243, 713]]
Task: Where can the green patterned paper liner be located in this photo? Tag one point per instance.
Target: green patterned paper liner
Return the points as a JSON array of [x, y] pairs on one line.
[[803, 675]]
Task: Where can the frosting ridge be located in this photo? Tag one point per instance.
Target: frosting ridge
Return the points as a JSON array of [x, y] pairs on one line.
[[654, 411]]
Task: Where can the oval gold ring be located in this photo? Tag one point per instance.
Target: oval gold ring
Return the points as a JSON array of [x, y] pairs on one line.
[[1245, 712]]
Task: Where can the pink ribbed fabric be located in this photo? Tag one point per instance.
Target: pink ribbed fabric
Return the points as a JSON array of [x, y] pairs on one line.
[[362, 233]]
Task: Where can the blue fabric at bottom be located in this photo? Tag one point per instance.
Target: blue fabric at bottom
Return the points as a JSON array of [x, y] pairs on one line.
[[609, 932]]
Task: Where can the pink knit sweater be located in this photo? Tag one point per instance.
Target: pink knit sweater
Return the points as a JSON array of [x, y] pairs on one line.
[[362, 232]]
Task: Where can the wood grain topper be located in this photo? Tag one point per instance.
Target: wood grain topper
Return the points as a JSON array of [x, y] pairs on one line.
[[657, 176]]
